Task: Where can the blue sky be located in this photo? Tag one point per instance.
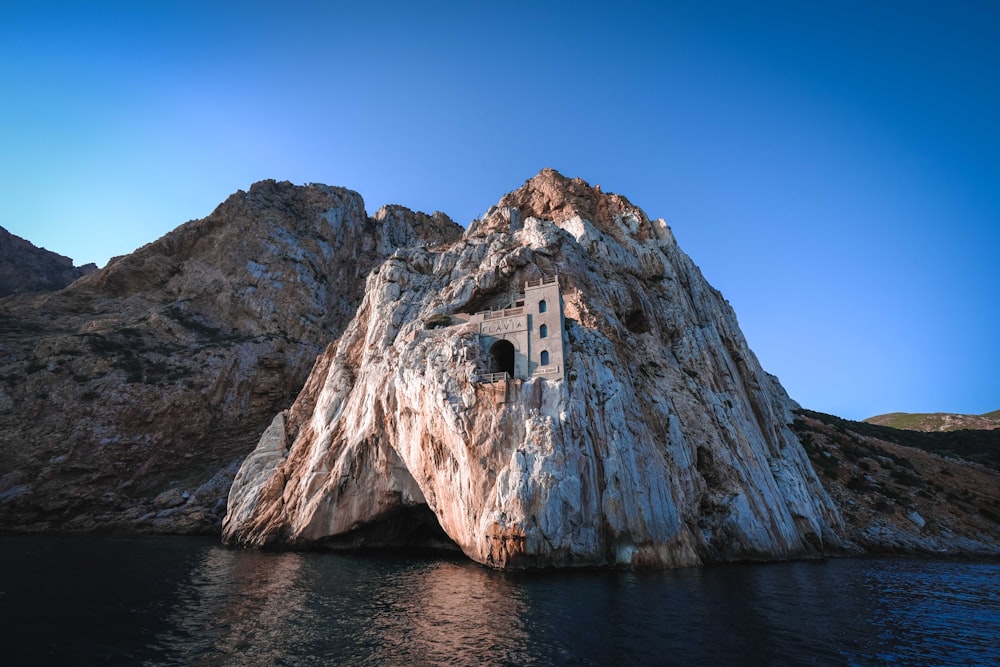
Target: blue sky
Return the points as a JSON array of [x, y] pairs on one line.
[[833, 168]]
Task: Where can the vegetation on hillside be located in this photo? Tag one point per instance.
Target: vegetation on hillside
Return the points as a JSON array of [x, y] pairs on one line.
[[908, 492], [978, 446]]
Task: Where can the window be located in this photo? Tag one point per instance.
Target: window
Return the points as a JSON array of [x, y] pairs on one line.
[[541, 306], [545, 357], [543, 331]]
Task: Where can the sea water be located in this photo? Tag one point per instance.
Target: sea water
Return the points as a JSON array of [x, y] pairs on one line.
[[190, 601]]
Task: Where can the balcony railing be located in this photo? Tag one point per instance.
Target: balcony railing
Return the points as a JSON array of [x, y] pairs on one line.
[[544, 280], [506, 312]]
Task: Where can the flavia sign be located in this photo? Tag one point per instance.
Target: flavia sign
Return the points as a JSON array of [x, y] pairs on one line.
[[504, 326]]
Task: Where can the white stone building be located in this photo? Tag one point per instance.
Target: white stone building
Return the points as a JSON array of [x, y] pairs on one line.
[[526, 339]]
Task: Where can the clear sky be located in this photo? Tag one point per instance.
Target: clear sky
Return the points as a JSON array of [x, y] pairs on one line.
[[833, 167]]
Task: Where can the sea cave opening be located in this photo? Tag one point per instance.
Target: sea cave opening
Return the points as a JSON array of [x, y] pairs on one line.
[[408, 528], [502, 352]]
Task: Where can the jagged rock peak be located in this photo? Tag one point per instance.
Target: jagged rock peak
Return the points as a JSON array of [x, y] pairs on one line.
[[552, 196], [315, 212], [432, 229]]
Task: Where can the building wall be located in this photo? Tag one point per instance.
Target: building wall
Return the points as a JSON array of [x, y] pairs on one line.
[[552, 318], [513, 329]]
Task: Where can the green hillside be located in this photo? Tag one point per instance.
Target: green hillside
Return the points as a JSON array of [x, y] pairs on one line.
[[980, 446], [937, 421]]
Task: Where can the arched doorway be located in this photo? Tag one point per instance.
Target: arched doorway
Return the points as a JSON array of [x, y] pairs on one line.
[[502, 352]]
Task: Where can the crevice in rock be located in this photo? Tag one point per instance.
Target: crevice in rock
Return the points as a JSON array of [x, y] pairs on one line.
[[707, 467], [636, 321]]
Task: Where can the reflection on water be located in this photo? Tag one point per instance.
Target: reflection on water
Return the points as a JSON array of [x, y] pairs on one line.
[[236, 604], [448, 613], [175, 601], [243, 607]]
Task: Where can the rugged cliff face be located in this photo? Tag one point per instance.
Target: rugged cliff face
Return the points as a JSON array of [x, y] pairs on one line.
[[660, 442], [27, 268], [128, 399]]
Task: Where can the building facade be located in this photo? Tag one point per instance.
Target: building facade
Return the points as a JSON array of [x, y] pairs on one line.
[[526, 339]]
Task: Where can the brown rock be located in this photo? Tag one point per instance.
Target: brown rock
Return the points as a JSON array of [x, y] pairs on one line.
[[160, 370]]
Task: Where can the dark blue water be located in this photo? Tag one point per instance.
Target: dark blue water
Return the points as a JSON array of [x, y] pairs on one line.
[[180, 601]]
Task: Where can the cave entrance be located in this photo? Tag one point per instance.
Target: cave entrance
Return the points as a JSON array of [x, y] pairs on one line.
[[408, 528], [502, 352]]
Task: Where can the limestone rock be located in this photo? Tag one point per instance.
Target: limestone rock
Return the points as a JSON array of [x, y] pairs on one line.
[[156, 373], [661, 442]]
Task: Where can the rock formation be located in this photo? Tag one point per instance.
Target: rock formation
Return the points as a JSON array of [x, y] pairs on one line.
[[27, 268], [442, 414], [128, 399], [661, 443]]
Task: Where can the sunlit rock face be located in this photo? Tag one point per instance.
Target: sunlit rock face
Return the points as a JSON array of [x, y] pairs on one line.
[[661, 442], [128, 399]]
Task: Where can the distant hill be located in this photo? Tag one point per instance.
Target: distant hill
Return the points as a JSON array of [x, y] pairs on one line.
[[937, 421], [27, 268], [980, 446]]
